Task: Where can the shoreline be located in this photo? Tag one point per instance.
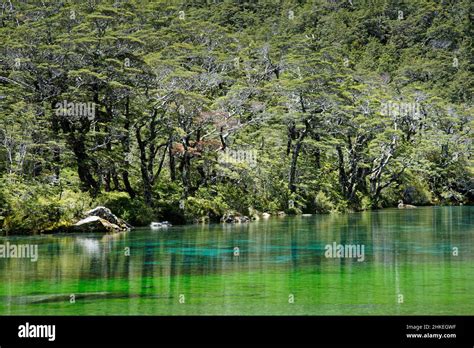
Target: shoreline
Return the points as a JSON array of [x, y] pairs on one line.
[[63, 231]]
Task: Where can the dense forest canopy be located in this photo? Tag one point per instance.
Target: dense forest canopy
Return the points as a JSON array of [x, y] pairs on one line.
[[186, 110]]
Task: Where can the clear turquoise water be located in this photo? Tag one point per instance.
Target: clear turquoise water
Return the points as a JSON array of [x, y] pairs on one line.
[[407, 252]]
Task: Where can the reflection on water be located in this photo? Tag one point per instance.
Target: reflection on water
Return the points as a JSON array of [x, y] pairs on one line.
[[89, 245], [407, 252]]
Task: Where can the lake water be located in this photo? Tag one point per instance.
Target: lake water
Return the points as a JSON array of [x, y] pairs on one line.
[[417, 261]]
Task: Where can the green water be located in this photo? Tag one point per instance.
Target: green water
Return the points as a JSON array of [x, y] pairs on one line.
[[407, 252]]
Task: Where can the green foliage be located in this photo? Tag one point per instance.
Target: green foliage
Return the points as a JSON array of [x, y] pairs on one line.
[[297, 90], [33, 207], [322, 203], [134, 211], [205, 206]]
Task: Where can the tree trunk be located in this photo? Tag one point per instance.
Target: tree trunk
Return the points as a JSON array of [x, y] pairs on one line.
[[172, 163], [126, 149], [342, 171], [147, 185], [83, 165], [294, 162]]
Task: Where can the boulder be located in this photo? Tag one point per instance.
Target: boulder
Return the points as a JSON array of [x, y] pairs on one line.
[[228, 218], [234, 218], [95, 224], [244, 219], [254, 214], [101, 219]]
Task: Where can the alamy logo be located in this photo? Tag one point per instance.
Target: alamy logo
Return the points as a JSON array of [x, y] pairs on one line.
[[398, 109], [238, 156], [19, 251], [75, 111], [37, 331], [335, 250]]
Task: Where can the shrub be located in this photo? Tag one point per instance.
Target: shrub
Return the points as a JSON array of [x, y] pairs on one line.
[[134, 211], [323, 203], [34, 207]]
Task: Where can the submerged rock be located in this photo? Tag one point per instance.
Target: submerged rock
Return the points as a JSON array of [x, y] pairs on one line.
[[157, 225], [402, 205]]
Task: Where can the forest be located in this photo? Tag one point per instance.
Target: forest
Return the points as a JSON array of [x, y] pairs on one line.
[[186, 111]]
